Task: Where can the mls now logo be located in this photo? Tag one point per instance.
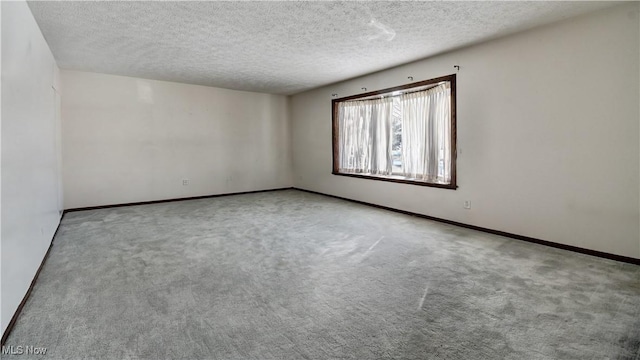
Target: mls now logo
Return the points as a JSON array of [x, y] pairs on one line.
[[23, 350]]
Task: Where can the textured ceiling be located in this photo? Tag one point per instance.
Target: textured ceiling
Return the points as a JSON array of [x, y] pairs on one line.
[[274, 47]]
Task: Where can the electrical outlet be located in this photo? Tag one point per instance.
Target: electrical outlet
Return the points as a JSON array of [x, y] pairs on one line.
[[467, 204], [185, 182]]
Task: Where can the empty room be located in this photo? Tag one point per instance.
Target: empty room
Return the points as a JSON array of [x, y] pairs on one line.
[[320, 180]]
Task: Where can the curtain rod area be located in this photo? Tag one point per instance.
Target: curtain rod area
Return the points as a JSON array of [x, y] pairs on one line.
[[400, 92]]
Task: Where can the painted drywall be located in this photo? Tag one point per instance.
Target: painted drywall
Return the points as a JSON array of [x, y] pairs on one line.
[[127, 140], [548, 125], [30, 164]]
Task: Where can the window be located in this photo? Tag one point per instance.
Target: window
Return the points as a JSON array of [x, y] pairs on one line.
[[404, 134]]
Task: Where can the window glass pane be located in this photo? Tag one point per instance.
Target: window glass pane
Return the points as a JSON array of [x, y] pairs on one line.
[[396, 146]]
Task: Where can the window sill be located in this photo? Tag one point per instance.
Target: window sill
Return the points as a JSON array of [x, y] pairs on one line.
[[398, 179]]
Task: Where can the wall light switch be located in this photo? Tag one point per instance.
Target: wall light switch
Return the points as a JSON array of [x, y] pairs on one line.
[[467, 204], [185, 182]]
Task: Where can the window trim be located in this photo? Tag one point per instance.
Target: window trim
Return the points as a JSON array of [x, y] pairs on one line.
[[335, 134]]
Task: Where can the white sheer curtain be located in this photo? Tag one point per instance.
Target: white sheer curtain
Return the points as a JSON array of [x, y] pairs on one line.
[[365, 136], [426, 134]]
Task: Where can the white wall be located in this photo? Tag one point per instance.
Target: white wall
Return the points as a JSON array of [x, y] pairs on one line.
[[548, 133], [127, 140], [30, 165]]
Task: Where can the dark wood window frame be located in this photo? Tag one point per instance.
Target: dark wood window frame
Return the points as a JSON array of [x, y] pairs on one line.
[[335, 134]]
